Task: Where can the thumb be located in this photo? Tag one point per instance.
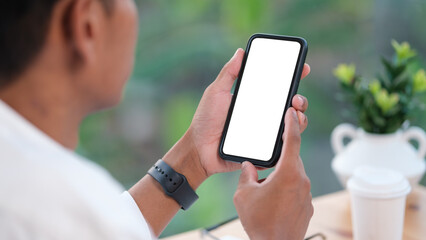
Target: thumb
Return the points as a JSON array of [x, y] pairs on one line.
[[229, 72], [248, 174]]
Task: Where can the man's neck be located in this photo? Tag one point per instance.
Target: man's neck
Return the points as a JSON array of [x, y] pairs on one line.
[[47, 106]]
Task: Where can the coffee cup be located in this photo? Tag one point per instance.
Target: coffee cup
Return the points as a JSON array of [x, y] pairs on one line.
[[378, 203]]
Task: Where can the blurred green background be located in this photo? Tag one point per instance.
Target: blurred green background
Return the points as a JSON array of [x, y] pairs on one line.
[[182, 46]]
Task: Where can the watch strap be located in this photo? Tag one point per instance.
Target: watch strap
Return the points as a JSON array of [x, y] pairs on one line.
[[174, 184]]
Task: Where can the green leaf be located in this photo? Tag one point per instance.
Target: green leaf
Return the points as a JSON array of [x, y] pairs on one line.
[[388, 66], [375, 86], [345, 73], [393, 111], [419, 81], [384, 82], [400, 83], [393, 71], [403, 51], [385, 100]]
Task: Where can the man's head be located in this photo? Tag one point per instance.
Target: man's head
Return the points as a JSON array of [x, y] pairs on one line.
[[86, 45]]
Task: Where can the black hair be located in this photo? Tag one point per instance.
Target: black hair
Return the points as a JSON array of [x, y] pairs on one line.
[[23, 28]]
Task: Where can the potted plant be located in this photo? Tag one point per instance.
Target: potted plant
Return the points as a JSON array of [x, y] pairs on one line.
[[383, 105]]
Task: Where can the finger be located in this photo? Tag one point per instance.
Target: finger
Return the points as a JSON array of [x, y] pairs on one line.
[[291, 142], [229, 72], [248, 174], [300, 103], [303, 121], [306, 70]]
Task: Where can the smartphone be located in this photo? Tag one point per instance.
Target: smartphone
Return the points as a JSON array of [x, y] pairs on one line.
[[268, 80]]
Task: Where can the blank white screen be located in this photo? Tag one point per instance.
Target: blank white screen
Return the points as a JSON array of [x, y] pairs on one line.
[[261, 98]]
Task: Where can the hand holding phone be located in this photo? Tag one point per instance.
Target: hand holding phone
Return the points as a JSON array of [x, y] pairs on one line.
[[206, 129], [268, 80]]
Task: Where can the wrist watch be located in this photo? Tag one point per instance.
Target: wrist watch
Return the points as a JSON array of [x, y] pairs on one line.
[[174, 184]]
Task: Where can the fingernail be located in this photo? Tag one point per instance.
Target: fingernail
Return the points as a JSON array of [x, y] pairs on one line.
[[301, 99], [235, 54], [243, 166]]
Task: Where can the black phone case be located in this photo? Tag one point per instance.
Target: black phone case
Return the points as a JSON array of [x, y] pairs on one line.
[[293, 90]]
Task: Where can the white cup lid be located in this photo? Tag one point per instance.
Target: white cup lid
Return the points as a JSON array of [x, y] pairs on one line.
[[381, 183]]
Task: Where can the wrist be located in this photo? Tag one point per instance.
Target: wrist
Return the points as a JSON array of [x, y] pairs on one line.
[[183, 158]]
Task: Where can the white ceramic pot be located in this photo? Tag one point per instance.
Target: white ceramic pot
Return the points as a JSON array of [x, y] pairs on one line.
[[392, 151]]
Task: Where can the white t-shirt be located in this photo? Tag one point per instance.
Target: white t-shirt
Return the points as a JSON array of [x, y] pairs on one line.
[[48, 192]]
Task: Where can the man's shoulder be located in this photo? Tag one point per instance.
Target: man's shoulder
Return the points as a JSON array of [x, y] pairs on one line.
[[28, 172], [57, 193], [42, 170]]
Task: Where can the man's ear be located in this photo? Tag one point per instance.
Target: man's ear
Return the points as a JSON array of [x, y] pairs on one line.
[[82, 23]]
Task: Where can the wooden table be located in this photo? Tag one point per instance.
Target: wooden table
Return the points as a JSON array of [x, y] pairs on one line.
[[332, 218]]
